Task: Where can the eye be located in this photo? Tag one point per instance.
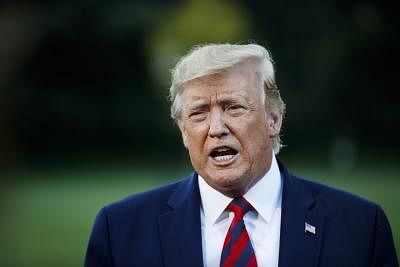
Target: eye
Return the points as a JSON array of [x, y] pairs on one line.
[[235, 110], [234, 107], [198, 115]]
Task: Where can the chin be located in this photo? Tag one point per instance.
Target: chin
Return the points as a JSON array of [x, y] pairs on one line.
[[232, 185], [231, 190]]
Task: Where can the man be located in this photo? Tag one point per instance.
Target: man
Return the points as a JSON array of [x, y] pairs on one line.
[[241, 207]]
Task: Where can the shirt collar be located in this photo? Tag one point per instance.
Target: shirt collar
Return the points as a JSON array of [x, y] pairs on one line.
[[213, 202], [265, 196]]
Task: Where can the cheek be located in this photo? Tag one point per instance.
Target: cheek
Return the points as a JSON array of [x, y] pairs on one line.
[[254, 140], [195, 141]]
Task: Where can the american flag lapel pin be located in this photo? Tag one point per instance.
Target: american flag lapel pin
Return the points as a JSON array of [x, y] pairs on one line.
[[309, 228]]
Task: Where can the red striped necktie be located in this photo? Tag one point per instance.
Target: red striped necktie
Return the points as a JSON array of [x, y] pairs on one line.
[[237, 250]]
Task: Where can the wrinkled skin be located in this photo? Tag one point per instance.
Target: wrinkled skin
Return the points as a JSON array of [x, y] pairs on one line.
[[225, 111]]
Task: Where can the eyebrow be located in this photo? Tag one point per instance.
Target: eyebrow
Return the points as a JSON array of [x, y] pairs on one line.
[[197, 106], [224, 101], [231, 100]]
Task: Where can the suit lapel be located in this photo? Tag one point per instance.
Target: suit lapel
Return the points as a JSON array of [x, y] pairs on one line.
[[299, 246], [180, 228]]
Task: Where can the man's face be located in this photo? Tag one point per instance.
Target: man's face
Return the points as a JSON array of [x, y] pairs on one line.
[[226, 129]]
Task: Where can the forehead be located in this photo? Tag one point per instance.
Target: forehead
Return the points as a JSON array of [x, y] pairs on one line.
[[235, 83]]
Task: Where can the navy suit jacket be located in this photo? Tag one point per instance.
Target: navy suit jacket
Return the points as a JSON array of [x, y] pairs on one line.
[[162, 228]]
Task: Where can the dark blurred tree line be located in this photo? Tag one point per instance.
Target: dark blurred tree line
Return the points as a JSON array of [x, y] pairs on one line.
[[87, 80]]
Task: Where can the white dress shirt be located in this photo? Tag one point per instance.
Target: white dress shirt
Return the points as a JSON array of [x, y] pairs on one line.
[[263, 224]]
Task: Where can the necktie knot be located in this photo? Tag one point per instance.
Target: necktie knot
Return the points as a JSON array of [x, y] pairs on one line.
[[240, 206], [237, 249]]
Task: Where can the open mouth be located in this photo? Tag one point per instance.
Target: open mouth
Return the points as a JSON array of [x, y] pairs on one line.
[[223, 153]]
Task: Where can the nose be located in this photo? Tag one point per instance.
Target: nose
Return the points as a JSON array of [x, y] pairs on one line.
[[218, 127]]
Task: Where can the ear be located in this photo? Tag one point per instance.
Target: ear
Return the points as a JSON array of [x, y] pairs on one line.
[[184, 134], [274, 123]]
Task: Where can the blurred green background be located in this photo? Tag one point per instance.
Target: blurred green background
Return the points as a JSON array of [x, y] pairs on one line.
[[84, 116]]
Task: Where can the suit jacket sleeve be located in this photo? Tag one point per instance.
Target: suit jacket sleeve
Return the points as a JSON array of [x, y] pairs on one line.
[[98, 253], [384, 253]]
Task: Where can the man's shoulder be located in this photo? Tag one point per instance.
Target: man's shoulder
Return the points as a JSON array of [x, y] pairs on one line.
[[323, 194], [150, 201], [333, 199]]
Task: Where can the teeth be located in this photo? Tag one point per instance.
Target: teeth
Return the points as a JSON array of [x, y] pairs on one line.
[[221, 149], [223, 158]]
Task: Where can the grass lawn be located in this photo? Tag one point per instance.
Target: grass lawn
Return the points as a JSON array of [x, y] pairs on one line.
[[47, 217]]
